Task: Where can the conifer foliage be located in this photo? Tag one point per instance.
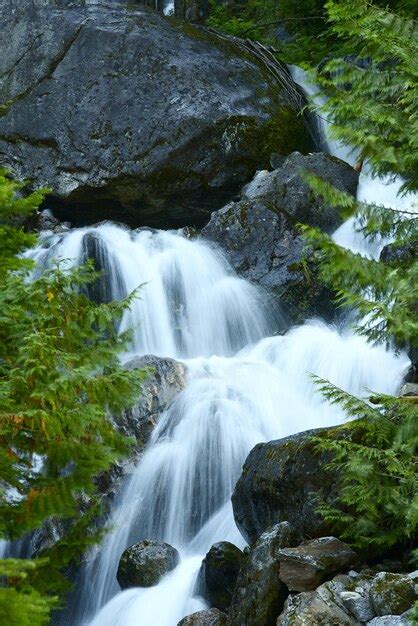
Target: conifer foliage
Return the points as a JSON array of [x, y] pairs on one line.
[[372, 104], [60, 381]]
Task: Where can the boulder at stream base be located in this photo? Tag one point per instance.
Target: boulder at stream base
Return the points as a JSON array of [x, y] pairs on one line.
[[259, 594], [208, 617], [307, 565], [128, 115], [218, 574], [349, 601], [260, 236], [282, 481], [145, 563]]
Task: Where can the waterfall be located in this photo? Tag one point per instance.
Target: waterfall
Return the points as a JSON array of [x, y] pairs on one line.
[[190, 302], [244, 385], [380, 190]]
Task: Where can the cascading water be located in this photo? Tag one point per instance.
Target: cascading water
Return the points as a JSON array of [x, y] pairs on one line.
[[380, 190], [244, 385], [190, 303]]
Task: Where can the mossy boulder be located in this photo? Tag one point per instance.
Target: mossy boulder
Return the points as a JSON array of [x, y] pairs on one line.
[[284, 480], [219, 573], [131, 116], [392, 594], [145, 563]]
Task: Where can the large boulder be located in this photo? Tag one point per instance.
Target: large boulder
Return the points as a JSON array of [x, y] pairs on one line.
[[259, 594], [145, 563], [259, 232], [219, 572], [128, 115], [305, 566], [284, 480]]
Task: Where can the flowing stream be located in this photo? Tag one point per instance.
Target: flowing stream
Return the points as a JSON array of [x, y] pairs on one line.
[[245, 384]]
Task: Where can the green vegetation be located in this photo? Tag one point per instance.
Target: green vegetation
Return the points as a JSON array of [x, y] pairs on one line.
[[60, 379], [300, 31], [372, 100]]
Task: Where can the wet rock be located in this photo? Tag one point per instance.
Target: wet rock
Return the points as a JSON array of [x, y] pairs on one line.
[[392, 594], [145, 563], [259, 594], [306, 566], [130, 116], [219, 572], [282, 481], [165, 381], [209, 617], [259, 233]]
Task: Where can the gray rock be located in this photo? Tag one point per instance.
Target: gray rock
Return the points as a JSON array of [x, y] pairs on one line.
[[314, 609], [306, 566], [145, 563], [130, 116], [259, 594], [165, 381], [259, 233], [409, 389], [282, 481], [209, 617], [390, 620], [219, 572], [392, 594], [358, 604]]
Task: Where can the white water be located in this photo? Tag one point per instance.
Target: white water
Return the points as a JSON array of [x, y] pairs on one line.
[[244, 385], [380, 190], [190, 303]]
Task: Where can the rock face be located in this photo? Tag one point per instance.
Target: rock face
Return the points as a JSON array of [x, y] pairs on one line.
[[209, 617], [166, 379], [145, 563], [304, 567], [260, 236], [219, 573], [259, 594], [281, 481], [129, 116]]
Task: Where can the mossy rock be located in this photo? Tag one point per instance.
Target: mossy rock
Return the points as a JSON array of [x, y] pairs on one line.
[[392, 594]]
